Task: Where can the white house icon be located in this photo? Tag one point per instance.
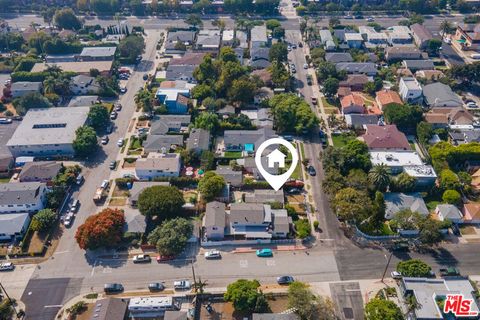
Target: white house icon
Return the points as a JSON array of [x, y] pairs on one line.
[[276, 156]]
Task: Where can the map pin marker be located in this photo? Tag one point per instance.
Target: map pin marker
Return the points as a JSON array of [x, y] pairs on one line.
[[276, 157]]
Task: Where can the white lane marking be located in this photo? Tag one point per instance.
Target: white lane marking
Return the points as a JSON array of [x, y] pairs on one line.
[[54, 306], [271, 263], [93, 268], [243, 263]]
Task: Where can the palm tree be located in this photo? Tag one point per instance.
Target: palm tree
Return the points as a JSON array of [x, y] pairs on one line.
[[379, 176], [49, 85], [53, 69], [445, 27]]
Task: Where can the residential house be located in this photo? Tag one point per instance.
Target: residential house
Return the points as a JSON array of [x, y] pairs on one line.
[[228, 37], [430, 292], [354, 40], [437, 120], [415, 65], [343, 92], [410, 90], [384, 138], [367, 68], [421, 35], [113, 38], [135, 222], [264, 75], [454, 117], [22, 197], [199, 140], [81, 85], [358, 121], [262, 94], [158, 165], [239, 52], [151, 307], [327, 40], [208, 40], [398, 53], [79, 67], [450, 212], [13, 226], [259, 57], [353, 103], [175, 95], [246, 140], [395, 202], [110, 309], [398, 37], [241, 37], [356, 82], [214, 221], [21, 88], [440, 95], [168, 123], [97, 54], [40, 171], [424, 175], [337, 57], [48, 132], [182, 68], [265, 196], [183, 36], [6, 157], [468, 36], [162, 143], [83, 101], [429, 75], [139, 186], [373, 38], [260, 118], [258, 37], [458, 137], [54, 58], [339, 34], [396, 161], [404, 73], [471, 212], [387, 97], [176, 315], [231, 177]]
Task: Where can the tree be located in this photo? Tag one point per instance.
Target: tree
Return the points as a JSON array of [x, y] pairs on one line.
[[308, 306], [98, 116], [261, 305], [403, 183], [351, 204], [43, 220], [162, 201], [194, 20], [381, 309], [171, 236], [406, 219], [278, 52], [202, 91], [290, 113], [448, 180], [430, 231], [404, 116], [242, 90], [424, 132], [30, 100], [211, 185], [207, 121], [85, 142], [131, 47], [280, 75], [446, 27], [303, 228], [278, 32], [82, 5], [243, 294], [66, 19], [379, 176], [104, 229], [207, 160], [334, 22], [433, 46], [414, 268], [330, 87], [104, 6], [271, 24], [452, 197]]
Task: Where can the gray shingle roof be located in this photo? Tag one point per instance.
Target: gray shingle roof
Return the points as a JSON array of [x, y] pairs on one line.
[[265, 196], [337, 57], [437, 94], [357, 67], [157, 142], [395, 202], [235, 178], [251, 213], [83, 101], [242, 137], [26, 86], [449, 211], [169, 122], [215, 214], [20, 192], [11, 223], [199, 139], [39, 171], [414, 65], [110, 309], [98, 52]]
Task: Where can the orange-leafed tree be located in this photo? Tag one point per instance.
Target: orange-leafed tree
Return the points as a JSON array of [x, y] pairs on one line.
[[103, 229]]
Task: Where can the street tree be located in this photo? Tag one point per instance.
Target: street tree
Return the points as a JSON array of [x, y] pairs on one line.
[[98, 116], [104, 229], [382, 309], [430, 231], [406, 219], [271, 24], [194, 20], [131, 47], [243, 294], [278, 52], [171, 237], [161, 201], [351, 205], [85, 142], [414, 268], [43, 220], [211, 185], [330, 87]]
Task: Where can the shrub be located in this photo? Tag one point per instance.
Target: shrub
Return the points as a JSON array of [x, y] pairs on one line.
[[303, 228]]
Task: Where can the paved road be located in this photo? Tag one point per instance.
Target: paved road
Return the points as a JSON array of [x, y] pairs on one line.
[[348, 300]]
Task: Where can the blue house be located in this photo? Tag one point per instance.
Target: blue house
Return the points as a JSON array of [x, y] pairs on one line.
[[175, 95]]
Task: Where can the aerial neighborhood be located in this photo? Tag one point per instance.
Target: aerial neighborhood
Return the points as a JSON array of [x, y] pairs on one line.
[[136, 183]]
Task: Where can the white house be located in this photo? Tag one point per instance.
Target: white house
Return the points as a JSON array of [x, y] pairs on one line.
[[22, 197], [151, 307], [410, 89], [158, 165]]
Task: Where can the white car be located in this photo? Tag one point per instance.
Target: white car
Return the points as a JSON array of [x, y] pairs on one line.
[[396, 275], [471, 104], [120, 142], [6, 266], [212, 254], [182, 285], [104, 184], [139, 258], [305, 66], [5, 120], [67, 221]]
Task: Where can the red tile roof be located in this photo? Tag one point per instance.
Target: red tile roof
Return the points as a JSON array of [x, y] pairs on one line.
[[386, 97], [353, 99], [385, 137]]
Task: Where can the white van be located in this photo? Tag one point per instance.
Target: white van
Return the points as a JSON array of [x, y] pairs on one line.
[[475, 56]]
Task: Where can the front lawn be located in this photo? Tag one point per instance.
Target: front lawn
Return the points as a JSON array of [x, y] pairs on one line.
[[340, 140], [233, 154]]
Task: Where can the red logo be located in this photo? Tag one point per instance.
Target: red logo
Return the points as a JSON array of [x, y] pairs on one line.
[[459, 306]]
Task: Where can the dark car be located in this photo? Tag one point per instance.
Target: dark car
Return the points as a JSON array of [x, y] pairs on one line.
[[112, 287], [113, 165], [449, 272], [311, 171], [155, 286], [285, 280], [109, 128], [145, 76]]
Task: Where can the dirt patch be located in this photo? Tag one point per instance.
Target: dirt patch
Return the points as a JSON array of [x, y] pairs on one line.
[[87, 314], [468, 230], [188, 195], [117, 202], [36, 243], [297, 198], [142, 124], [118, 193], [129, 164], [10, 108]]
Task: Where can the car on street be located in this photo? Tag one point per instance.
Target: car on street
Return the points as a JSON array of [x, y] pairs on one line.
[[105, 140], [370, 19], [471, 104], [309, 79], [75, 205], [289, 48], [142, 258], [285, 280], [67, 221], [155, 286], [182, 285], [264, 252], [7, 266], [294, 191], [161, 258], [311, 171], [109, 128], [17, 118], [396, 275], [305, 66], [120, 142], [212, 254], [314, 100], [5, 120], [118, 107], [129, 176], [145, 76], [113, 115], [112, 165], [294, 46], [300, 45], [104, 184], [79, 179], [123, 90], [113, 287]]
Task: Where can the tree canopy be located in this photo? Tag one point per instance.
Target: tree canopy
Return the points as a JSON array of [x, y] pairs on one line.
[[414, 268], [43, 220], [30, 100], [171, 236], [308, 306], [104, 229], [85, 142], [243, 294], [406, 117], [162, 201], [131, 47], [211, 185], [66, 19], [278, 52], [381, 309], [98, 116]]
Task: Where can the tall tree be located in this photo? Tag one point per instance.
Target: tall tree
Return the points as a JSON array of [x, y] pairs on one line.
[[211, 185], [171, 236], [66, 19], [381, 309], [85, 142], [104, 229], [161, 201], [379, 176], [194, 20]]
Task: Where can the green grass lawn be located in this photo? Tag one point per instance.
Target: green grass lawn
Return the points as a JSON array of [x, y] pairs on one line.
[[232, 154], [297, 173], [327, 103], [339, 140], [4, 180], [302, 150]]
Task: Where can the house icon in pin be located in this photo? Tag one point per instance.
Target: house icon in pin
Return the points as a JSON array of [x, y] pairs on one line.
[[276, 156]]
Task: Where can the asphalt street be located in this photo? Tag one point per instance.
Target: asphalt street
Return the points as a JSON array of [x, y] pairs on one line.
[[348, 300]]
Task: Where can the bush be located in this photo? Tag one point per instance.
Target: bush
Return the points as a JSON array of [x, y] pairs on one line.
[[452, 197], [122, 182], [303, 228], [316, 224], [414, 268]]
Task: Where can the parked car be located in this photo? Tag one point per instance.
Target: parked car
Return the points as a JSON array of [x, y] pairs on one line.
[[7, 266], [396, 275], [294, 46], [155, 286], [79, 179], [74, 206], [285, 280], [112, 287], [118, 107], [120, 142], [113, 115], [300, 44], [129, 176], [212, 254], [145, 77], [294, 191], [182, 285], [5, 121], [113, 165], [140, 258], [450, 271], [123, 90], [264, 253], [305, 66], [109, 128], [314, 100], [165, 258], [105, 140], [311, 171], [471, 104], [67, 221], [104, 184]]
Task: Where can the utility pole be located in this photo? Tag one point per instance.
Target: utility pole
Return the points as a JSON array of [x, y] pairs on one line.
[[194, 279], [388, 263], [10, 300]]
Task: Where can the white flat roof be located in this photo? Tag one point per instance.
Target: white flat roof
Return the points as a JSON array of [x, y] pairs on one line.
[[395, 159], [353, 37], [424, 171]]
